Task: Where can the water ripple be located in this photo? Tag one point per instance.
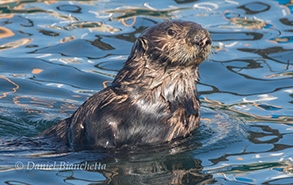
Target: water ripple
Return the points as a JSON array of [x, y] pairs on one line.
[[55, 54]]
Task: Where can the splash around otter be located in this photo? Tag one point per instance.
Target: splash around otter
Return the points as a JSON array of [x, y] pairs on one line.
[[153, 98]]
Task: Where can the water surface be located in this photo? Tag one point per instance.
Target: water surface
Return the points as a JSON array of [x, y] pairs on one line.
[[55, 54]]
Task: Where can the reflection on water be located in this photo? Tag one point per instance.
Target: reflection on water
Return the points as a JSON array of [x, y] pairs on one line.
[[55, 54], [182, 169]]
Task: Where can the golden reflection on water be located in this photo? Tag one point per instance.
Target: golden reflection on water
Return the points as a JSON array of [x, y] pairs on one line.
[[286, 74], [33, 101], [8, 16], [38, 102], [96, 26], [49, 2], [133, 12], [14, 89], [37, 71], [128, 25], [281, 40], [105, 83], [68, 106], [287, 168], [249, 116], [244, 22], [67, 39], [64, 17], [15, 44], [243, 169], [5, 32]]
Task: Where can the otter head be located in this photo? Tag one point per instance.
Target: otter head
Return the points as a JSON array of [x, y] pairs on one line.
[[175, 43]]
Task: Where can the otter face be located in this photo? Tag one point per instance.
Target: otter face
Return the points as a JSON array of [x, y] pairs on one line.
[[177, 42]]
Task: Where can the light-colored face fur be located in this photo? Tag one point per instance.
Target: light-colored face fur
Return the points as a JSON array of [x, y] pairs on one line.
[[177, 42]]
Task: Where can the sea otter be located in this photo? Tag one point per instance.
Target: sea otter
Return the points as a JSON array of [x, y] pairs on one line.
[[153, 98]]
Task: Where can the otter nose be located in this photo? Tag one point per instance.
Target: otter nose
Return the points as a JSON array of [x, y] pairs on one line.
[[205, 41], [201, 38]]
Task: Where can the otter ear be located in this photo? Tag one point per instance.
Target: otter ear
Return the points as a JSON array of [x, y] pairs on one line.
[[140, 46], [144, 43]]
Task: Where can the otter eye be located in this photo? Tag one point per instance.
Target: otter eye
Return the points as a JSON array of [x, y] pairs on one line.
[[171, 32]]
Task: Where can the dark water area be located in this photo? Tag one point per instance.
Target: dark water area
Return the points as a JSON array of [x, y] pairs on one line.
[[55, 54]]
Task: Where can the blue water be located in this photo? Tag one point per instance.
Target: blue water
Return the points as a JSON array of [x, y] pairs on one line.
[[55, 54]]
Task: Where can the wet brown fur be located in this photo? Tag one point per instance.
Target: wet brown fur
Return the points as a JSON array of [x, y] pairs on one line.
[[153, 98]]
